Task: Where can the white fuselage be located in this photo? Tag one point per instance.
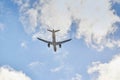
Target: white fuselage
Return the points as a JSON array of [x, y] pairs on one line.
[[54, 40]]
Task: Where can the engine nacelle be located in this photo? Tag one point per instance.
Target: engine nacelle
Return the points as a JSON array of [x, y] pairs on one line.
[[59, 45], [48, 44]]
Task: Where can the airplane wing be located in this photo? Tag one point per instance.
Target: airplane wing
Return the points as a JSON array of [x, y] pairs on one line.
[[44, 40], [63, 41]]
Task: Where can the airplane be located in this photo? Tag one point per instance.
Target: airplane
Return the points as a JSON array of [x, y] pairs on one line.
[[53, 42]]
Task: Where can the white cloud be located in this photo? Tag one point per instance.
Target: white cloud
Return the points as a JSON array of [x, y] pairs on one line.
[[94, 19], [106, 71], [2, 26], [28, 15], [61, 57], [23, 44], [29, 19], [77, 77], [11, 74], [19, 2], [63, 67], [57, 69], [38, 68], [116, 1], [35, 64]]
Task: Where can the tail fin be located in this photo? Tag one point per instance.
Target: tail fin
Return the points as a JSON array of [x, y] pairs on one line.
[[53, 30]]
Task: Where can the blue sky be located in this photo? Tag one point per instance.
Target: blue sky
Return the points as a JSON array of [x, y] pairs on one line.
[[94, 30]]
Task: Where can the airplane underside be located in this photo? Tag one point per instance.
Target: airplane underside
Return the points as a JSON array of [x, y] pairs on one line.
[[54, 43]]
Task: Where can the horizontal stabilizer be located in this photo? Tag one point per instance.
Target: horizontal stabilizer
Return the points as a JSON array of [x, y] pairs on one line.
[[57, 30], [50, 30], [53, 30]]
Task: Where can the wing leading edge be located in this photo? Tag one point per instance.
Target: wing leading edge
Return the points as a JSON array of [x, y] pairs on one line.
[[61, 42], [45, 40]]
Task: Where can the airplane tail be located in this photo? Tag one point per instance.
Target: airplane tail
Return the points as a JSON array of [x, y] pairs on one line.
[[57, 30], [53, 30], [50, 30]]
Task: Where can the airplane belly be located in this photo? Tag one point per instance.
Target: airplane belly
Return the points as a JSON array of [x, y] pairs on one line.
[[55, 49]]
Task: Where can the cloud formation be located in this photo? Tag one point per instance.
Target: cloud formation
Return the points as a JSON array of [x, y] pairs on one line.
[[2, 26], [77, 77], [11, 74], [35, 64], [23, 44], [37, 67], [95, 19], [116, 1], [57, 69], [106, 71]]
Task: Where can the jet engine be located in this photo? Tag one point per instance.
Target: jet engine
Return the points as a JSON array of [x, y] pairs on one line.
[[59, 45], [48, 44]]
